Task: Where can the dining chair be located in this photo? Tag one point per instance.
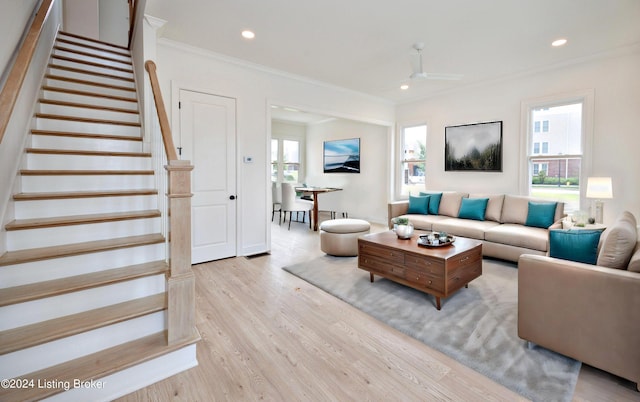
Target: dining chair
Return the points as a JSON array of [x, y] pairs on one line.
[[276, 201], [290, 203]]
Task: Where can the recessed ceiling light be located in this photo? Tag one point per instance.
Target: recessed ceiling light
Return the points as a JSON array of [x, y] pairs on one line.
[[248, 34], [404, 87], [558, 42]]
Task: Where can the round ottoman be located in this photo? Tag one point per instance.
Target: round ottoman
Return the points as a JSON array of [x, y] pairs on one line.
[[340, 236]]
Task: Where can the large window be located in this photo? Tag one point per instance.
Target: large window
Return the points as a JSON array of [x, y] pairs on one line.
[[412, 171], [285, 160], [556, 140]]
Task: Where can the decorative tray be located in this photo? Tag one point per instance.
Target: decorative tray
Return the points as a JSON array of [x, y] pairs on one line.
[[429, 240]]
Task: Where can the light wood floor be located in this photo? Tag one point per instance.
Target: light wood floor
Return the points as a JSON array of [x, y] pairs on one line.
[[267, 335]]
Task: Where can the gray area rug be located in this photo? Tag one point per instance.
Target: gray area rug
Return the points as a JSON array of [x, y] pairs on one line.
[[477, 326]]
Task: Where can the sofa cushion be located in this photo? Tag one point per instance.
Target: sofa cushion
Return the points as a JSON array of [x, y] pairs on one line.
[[494, 206], [634, 263], [540, 214], [618, 242], [473, 208], [574, 245], [418, 205], [516, 208], [424, 222], [434, 202], [519, 236], [472, 229], [450, 203]]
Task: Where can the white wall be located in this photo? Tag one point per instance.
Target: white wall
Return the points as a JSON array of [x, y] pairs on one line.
[[82, 17], [616, 138], [13, 21], [364, 195], [255, 90]]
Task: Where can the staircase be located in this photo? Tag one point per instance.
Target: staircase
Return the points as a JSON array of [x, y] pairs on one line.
[[83, 285]]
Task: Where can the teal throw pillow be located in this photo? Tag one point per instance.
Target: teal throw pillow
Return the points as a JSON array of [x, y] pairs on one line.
[[473, 208], [434, 202], [418, 205], [541, 214], [574, 245]]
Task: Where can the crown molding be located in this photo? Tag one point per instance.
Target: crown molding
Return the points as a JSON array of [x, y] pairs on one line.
[[267, 70]]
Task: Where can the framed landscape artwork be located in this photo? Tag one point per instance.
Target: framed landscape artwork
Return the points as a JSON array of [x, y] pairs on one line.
[[342, 156], [473, 147]]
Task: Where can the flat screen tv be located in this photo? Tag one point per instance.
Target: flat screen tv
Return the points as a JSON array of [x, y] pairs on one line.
[[342, 156]]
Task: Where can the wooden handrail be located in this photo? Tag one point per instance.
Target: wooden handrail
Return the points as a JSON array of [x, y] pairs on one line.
[[12, 86], [167, 138], [133, 11]]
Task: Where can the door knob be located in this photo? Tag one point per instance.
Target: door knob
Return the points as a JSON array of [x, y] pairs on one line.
[[232, 197]]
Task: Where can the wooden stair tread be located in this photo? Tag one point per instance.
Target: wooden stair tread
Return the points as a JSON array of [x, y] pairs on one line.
[[38, 223], [58, 328], [73, 35], [44, 253], [27, 172], [98, 365], [86, 135], [101, 49], [81, 194], [85, 93], [54, 287], [87, 119], [90, 63], [87, 82], [88, 106], [90, 72], [93, 55], [48, 151]]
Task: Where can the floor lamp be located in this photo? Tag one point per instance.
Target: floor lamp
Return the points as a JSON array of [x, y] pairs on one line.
[[599, 188]]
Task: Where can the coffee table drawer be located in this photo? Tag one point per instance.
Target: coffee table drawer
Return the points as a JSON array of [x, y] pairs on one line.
[[420, 278], [384, 252], [427, 265], [365, 261]]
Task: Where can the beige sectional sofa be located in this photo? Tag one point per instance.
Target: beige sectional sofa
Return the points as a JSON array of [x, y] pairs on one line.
[[503, 231], [584, 311]]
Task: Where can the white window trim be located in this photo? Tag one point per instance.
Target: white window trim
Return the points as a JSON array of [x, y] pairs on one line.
[[398, 160], [587, 98]]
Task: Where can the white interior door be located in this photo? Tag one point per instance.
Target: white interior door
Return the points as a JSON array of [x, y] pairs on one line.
[[207, 138]]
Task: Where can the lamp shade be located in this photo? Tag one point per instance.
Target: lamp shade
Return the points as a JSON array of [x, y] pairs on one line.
[[599, 187]]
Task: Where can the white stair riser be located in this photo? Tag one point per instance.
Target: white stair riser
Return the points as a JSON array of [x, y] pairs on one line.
[[133, 378], [81, 206], [86, 183], [83, 66], [87, 162], [57, 236], [86, 127], [85, 49], [57, 352], [62, 110], [90, 100], [96, 89], [90, 77], [86, 144], [44, 270], [91, 59], [18, 315]]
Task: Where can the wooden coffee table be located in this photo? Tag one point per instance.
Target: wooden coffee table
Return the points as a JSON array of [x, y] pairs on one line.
[[438, 271]]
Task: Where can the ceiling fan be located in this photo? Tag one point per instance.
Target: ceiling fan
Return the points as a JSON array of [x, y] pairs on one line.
[[420, 74]]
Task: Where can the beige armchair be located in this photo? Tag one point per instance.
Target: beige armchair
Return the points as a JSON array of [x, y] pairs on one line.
[[587, 312]]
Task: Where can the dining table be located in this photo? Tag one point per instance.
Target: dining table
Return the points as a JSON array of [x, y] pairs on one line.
[[315, 191]]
